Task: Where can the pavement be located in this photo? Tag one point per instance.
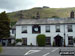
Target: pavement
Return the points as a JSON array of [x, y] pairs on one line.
[[33, 51]]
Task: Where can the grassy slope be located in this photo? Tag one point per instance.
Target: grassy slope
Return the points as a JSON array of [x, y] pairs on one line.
[[44, 13]]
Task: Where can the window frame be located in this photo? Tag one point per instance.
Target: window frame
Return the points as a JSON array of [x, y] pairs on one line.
[[47, 28], [70, 40], [69, 28], [13, 31], [24, 27], [48, 40], [57, 28]]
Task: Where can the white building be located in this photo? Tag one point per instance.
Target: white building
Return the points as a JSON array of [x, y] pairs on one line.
[[59, 30], [28, 29]]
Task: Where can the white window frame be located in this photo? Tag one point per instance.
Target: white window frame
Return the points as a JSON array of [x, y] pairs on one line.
[[69, 28], [47, 28], [24, 28], [57, 28]]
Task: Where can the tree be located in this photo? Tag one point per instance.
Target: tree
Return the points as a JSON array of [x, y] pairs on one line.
[[4, 25], [41, 40]]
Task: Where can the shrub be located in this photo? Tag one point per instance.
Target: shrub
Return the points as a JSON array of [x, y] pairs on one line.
[[41, 40], [18, 40]]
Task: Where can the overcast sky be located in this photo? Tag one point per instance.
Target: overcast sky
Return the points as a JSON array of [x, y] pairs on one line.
[[15, 5]]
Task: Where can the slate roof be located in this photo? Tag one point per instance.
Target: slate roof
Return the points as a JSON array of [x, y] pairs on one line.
[[46, 21]]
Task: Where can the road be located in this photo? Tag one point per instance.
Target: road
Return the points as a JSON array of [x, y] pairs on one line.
[[33, 51]]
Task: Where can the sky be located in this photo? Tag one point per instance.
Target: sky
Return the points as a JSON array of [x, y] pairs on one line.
[[16, 5]]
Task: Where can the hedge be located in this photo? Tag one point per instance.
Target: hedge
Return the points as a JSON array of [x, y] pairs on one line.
[[41, 40]]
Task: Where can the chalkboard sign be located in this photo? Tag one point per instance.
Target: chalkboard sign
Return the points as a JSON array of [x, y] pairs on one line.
[[66, 53]]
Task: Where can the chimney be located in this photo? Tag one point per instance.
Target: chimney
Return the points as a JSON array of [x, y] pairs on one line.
[[20, 14], [72, 14], [37, 15]]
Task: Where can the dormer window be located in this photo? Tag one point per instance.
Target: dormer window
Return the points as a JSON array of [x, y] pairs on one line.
[[24, 29], [36, 29]]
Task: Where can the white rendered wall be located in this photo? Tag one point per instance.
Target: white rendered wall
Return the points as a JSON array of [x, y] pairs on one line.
[[31, 38], [18, 32]]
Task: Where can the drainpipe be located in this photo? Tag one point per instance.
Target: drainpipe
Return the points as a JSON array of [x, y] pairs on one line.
[[64, 39], [64, 35]]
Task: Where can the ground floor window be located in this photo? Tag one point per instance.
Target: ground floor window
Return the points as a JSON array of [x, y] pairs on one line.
[[48, 40], [24, 41], [70, 40]]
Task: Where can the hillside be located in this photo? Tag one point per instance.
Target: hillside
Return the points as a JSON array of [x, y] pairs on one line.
[[44, 13]]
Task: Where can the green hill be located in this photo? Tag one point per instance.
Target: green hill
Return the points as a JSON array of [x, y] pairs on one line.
[[44, 13]]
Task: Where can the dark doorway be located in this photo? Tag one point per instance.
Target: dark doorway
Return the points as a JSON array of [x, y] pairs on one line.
[[58, 40]]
